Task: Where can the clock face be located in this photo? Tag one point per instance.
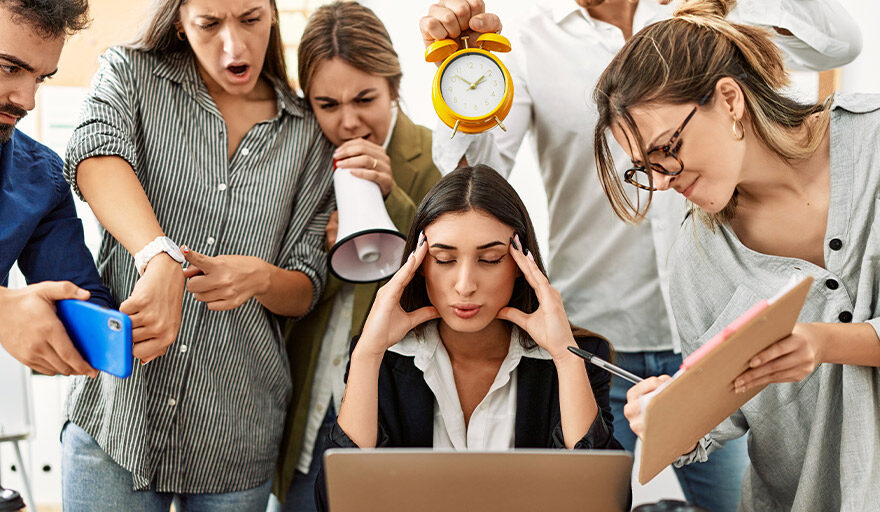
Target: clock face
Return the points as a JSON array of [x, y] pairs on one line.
[[472, 85]]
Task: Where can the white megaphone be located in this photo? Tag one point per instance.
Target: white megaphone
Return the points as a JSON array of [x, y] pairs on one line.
[[368, 247]]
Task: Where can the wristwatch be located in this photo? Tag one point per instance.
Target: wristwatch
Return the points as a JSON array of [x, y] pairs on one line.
[[160, 244]]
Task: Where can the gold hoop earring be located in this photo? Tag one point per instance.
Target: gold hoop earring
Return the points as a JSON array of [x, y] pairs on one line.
[[742, 130], [180, 35]]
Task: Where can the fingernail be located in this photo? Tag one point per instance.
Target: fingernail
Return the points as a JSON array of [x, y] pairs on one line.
[[738, 384], [421, 238], [184, 248], [513, 243], [518, 243], [411, 256], [755, 362], [531, 257]]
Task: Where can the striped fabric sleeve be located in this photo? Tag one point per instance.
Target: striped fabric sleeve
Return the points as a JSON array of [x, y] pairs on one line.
[[106, 124], [305, 246]]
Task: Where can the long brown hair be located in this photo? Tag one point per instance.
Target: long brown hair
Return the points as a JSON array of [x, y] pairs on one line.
[[353, 33], [159, 36], [679, 61]]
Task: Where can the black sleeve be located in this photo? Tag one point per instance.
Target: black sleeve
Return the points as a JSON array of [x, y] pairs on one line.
[[600, 435]]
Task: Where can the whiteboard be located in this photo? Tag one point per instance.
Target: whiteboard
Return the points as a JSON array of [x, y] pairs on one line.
[[16, 413], [16, 406]]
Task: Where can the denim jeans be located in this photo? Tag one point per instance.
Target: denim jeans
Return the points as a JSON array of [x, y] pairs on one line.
[[301, 495], [92, 482], [715, 484]]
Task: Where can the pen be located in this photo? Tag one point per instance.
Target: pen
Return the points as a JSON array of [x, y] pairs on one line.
[[605, 365]]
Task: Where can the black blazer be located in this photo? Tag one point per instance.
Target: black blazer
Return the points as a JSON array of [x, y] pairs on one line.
[[406, 407]]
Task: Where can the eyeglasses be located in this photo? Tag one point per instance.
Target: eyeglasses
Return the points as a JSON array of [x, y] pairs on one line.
[[662, 159]]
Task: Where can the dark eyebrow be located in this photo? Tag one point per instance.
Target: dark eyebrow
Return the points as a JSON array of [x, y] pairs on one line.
[[490, 244], [480, 248], [20, 63], [326, 99], [364, 93], [248, 12]]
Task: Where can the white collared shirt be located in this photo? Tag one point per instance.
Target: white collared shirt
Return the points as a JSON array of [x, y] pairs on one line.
[[612, 275], [329, 380], [491, 426]]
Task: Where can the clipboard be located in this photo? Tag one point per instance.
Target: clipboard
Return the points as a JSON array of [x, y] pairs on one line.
[[701, 396]]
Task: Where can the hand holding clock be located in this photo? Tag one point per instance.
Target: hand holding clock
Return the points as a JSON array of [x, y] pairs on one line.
[[451, 19]]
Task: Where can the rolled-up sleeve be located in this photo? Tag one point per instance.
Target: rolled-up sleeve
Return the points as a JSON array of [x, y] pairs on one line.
[[106, 125], [304, 240]]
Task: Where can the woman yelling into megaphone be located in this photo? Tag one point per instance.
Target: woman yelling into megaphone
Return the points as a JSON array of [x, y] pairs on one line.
[[350, 76]]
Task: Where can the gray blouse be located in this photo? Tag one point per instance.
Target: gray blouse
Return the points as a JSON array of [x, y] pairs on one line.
[[814, 444], [207, 417]]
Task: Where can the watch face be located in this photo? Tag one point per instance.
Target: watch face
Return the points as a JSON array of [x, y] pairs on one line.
[[472, 85]]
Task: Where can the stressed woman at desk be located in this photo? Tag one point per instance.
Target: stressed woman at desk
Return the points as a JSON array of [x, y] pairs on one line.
[[466, 347]]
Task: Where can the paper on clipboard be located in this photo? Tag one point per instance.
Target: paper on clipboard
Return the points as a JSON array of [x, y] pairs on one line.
[[701, 395]]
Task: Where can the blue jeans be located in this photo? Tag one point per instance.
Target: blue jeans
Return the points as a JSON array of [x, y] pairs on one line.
[[92, 482], [715, 484], [301, 495]]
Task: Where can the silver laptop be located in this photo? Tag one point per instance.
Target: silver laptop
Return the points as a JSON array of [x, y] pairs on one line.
[[397, 480]]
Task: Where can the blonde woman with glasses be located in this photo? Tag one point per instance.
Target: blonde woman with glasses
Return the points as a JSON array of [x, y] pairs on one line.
[[778, 188]]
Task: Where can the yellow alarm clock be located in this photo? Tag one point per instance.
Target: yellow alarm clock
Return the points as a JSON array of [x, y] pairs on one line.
[[472, 89]]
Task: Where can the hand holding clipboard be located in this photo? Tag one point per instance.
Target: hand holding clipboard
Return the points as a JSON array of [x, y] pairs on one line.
[[703, 390]]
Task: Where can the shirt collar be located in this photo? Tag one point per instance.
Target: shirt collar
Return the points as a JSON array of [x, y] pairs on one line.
[[561, 9], [180, 67], [422, 344], [647, 12], [394, 110]]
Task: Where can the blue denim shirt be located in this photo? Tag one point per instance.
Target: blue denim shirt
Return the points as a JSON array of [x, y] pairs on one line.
[[38, 222]]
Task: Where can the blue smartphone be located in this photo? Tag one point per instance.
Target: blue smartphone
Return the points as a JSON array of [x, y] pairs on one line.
[[102, 336]]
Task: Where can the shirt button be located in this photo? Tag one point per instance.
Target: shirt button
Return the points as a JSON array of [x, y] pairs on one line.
[[183, 349], [210, 240], [221, 187], [172, 402], [835, 244], [845, 317], [245, 151], [832, 284], [337, 361]]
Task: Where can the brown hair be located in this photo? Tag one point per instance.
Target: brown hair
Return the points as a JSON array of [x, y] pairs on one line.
[[160, 36], [679, 61], [353, 33]]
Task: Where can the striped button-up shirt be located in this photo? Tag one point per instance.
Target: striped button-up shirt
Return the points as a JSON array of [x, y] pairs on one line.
[[208, 416]]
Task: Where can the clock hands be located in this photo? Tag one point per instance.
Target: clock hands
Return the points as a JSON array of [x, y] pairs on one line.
[[478, 81], [474, 84], [465, 81]]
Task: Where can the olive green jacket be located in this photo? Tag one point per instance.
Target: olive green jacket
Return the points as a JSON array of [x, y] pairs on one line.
[[414, 174]]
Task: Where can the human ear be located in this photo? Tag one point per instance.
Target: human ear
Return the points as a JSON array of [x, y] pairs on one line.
[[730, 98]]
